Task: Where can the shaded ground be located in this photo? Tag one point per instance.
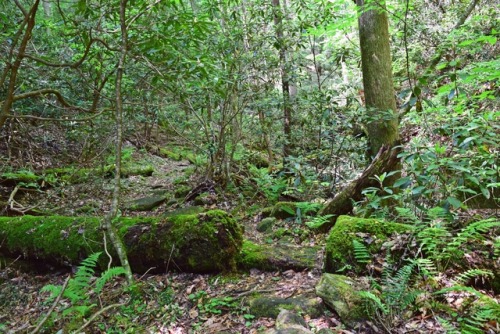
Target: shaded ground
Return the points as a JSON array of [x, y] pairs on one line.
[[173, 302]]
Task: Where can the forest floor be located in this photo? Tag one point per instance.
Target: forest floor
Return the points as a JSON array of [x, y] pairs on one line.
[[172, 302]]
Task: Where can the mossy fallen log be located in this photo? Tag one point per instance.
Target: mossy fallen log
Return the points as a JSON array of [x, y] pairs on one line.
[[204, 242]]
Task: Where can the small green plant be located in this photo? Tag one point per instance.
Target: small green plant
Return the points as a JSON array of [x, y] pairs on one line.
[[476, 310], [213, 305], [318, 221], [361, 253], [79, 289]]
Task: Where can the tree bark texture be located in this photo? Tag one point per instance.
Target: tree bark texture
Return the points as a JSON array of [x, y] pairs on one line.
[[382, 124], [14, 69], [285, 79]]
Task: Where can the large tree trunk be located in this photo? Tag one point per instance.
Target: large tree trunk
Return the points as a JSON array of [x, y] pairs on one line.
[[376, 61]]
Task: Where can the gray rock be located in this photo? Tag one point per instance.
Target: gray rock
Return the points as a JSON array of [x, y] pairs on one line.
[[145, 203], [341, 293], [288, 322], [270, 306]]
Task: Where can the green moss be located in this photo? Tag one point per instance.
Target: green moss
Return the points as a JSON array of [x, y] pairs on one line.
[[342, 294], [204, 242], [25, 176], [339, 249], [252, 256]]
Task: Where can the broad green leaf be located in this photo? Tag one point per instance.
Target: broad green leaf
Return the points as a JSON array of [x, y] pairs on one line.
[[454, 202]]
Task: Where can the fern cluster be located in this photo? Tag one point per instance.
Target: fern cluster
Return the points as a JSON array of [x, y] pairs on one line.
[[397, 290], [389, 299]]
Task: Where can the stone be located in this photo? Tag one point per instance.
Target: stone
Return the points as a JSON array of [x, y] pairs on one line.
[[372, 233], [266, 224], [145, 203], [341, 293], [271, 306]]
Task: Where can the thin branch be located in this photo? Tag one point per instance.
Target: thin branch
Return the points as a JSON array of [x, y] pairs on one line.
[[52, 307], [95, 315], [79, 62]]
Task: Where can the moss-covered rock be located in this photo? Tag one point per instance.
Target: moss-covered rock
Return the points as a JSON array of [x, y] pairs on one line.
[[205, 242], [181, 191], [289, 322], [339, 246], [276, 257], [145, 203], [341, 293], [266, 224], [283, 210], [270, 306]]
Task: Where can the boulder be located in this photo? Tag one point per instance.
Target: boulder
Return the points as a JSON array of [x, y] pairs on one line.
[[370, 232], [145, 203], [266, 224], [277, 257], [271, 306], [341, 293], [288, 322]]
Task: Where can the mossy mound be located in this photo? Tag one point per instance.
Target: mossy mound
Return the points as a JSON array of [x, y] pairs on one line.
[[205, 242], [339, 247], [276, 257]]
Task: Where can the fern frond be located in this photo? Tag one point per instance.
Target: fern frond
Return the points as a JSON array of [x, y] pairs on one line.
[[447, 326], [464, 277], [91, 261], [361, 253], [53, 290], [426, 266], [374, 301], [81, 310], [107, 276], [459, 288]]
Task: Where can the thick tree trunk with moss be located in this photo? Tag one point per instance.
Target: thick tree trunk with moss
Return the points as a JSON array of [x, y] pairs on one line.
[[382, 119], [201, 243], [382, 124]]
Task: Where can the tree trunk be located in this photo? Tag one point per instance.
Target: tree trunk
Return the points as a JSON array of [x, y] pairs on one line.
[[385, 161], [376, 61], [108, 220], [285, 80], [14, 69], [382, 124]]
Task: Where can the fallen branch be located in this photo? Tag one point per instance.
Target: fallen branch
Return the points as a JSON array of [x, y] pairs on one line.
[[342, 203], [40, 324]]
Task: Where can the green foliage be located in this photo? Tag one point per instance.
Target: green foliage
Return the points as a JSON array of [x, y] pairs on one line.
[[80, 289], [213, 305], [476, 310], [445, 248], [395, 294], [317, 222]]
